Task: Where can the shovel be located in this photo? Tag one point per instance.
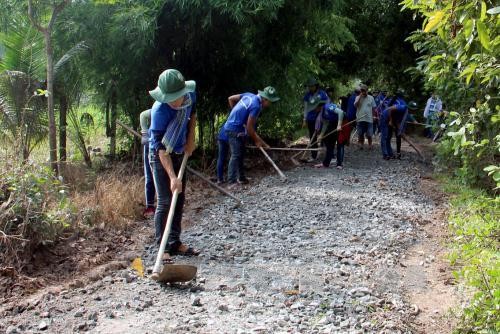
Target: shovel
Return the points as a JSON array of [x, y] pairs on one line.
[[172, 272]]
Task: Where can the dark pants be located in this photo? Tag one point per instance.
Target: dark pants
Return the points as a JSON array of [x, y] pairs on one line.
[[162, 184], [221, 159], [149, 185], [330, 142], [237, 147], [311, 126], [386, 132]]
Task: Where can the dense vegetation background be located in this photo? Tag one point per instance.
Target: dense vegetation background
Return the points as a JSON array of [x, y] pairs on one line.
[[70, 69]]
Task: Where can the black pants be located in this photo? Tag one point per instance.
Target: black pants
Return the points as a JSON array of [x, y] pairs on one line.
[[164, 197], [330, 143], [311, 126]]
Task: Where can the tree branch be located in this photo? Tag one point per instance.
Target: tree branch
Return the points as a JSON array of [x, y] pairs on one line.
[[32, 18]]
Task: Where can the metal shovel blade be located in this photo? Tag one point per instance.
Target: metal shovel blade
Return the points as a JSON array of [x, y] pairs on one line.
[[176, 273]]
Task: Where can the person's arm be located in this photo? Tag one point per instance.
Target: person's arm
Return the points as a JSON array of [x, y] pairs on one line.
[[305, 111], [357, 101], [251, 132], [145, 119], [426, 110], [340, 114], [191, 140], [233, 99]]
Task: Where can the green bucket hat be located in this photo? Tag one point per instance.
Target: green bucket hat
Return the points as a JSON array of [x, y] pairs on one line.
[[269, 93], [171, 86], [412, 105]]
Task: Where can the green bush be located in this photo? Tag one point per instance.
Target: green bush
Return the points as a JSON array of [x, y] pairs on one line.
[[475, 224], [34, 209]]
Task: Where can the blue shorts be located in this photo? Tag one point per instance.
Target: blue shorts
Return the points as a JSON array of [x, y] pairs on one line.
[[365, 128]]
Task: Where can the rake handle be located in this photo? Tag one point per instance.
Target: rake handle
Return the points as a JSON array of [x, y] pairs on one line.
[[283, 176]]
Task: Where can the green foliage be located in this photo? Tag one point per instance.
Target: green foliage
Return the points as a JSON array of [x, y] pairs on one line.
[[475, 223], [22, 113], [460, 43], [35, 209]]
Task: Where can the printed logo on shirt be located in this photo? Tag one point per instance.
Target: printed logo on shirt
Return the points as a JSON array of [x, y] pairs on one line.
[[245, 101]]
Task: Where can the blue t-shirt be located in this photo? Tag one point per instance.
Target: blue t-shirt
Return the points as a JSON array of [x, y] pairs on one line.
[[222, 134], [161, 116], [248, 105], [329, 112], [399, 116], [312, 99], [351, 109]]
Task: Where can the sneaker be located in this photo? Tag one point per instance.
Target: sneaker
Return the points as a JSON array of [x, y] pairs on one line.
[[340, 167], [320, 166], [219, 182], [386, 157], [311, 160], [149, 212]]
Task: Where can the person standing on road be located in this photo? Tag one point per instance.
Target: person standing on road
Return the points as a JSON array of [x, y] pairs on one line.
[[171, 135], [149, 185], [330, 119], [393, 120], [245, 110], [431, 113], [311, 101], [365, 108]]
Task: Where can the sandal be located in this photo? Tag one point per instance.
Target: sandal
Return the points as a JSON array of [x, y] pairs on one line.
[[185, 250], [167, 259]]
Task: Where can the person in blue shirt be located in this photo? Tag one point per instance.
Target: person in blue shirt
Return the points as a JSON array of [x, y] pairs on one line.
[[149, 185], [311, 101], [245, 109], [393, 120], [330, 119], [223, 150], [171, 135]]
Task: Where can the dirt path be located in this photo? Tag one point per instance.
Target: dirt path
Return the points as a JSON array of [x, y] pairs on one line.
[[329, 251]]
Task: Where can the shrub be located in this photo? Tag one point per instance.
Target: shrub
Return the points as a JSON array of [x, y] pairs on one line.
[[475, 223], [34, 210]]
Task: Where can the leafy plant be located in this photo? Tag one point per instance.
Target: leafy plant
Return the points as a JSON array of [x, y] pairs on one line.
[[460, 43], [475, 223], [34, 210]]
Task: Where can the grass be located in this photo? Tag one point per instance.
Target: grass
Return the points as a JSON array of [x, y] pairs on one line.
[[474, 220]]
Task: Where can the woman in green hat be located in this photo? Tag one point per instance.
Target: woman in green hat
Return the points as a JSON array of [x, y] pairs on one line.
[[171, 135]]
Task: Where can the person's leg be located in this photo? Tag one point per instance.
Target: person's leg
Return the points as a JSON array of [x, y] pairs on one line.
[[398, 146], [174, 237], [390, 153], [241, 166], [361, 128], [330, 145], [234, 161], [149, 186], [340, 155], [163, 193], [369, 133], [384, 133], [311, 127], [221, 159]]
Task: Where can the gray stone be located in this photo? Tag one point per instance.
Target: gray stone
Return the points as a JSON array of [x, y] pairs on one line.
[[42, 326]]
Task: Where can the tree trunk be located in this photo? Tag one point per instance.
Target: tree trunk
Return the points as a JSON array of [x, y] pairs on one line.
[[50, 102], [63, 112], [112, 134]]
